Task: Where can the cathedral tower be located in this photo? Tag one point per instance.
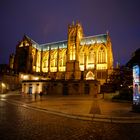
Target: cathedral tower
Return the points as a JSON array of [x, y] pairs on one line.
[[75, 33]]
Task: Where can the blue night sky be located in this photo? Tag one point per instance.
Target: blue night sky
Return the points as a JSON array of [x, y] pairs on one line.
[[46, 21]]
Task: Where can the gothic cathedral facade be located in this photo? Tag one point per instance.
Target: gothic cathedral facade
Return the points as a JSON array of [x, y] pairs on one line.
[[78, 57]]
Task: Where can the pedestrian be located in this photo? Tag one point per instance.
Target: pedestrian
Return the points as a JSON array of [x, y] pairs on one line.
[[41, 93], [35, 95]]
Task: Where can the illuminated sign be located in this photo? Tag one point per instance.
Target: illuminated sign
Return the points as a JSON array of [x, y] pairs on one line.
[[136, 85]]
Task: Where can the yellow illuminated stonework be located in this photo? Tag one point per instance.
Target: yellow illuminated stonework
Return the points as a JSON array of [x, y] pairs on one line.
[[78, 57]]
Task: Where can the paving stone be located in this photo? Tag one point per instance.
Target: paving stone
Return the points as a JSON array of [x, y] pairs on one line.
[[19, 123]]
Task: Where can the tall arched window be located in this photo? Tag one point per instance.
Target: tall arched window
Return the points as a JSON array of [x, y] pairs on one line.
[[62, 59], [72, 52], [82, 58], [61, 62], [102, 55], [91, 57], [45, 63], [52, 61]]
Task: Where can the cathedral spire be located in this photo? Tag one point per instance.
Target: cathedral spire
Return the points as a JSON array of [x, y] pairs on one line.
[[107, 32], [73, 22]]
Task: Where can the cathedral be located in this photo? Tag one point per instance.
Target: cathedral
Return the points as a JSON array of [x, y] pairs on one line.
[[78, 58]]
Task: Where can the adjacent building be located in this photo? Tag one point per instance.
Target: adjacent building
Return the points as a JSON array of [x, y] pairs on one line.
[[9, 80]]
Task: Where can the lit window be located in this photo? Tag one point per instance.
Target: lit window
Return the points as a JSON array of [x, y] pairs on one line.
[[82, 58], [91, 57], [102, 55]]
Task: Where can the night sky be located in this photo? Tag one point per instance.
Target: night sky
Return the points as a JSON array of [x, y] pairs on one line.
[[46, 21]]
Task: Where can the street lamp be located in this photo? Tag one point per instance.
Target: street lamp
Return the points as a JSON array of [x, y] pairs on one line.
[[3, 86]]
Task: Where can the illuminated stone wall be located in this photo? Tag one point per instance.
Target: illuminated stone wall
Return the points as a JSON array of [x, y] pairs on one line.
[[86, 55]]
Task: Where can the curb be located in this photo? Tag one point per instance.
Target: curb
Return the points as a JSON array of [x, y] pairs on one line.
[[86, 117]]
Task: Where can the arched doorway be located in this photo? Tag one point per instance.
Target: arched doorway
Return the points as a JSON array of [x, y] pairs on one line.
[[90, 76]]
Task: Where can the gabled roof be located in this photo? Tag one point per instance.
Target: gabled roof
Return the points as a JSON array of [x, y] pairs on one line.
[[35, 44], [32, 41]]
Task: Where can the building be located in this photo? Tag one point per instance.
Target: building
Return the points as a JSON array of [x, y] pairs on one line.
[[9, 80], [77, 58]]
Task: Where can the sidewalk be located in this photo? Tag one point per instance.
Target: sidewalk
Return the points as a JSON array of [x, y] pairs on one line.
[[84, 107]]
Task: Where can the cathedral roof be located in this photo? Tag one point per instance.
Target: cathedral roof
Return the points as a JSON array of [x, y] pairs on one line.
[[102, 38], [54, 45]]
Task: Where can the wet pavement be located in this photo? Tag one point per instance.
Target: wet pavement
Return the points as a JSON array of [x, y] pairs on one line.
[[80, 107], [20, 123]]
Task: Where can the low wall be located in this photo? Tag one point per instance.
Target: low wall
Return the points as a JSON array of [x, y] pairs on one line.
[[61, 87]]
